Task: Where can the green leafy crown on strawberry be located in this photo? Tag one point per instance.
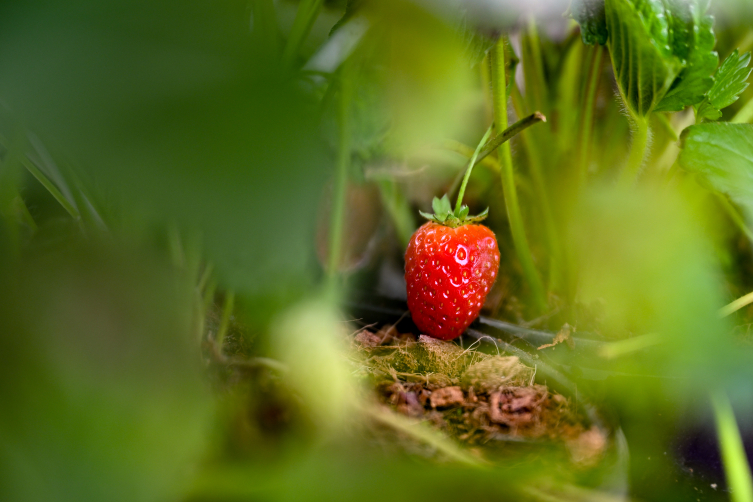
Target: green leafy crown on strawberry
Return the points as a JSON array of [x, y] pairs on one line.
[[444, 214]]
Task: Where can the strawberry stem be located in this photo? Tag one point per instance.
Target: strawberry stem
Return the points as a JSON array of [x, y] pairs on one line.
[[486, 147], [639, 150], [472, 163], [509, 133]]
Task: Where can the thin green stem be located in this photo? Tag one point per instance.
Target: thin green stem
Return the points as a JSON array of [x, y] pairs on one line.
[[24, 214], [736, 466], [472, 163], [587, 116], [420, 432], [202, 304], [639, 150], [736, 305], [663, 120], [542, 195], [207, 303], [512, 205], [204, 279], [735, 216], [509, 133], [227, 311], [467, 151], [304, 20], [398, 209], [50, 186], [613, 350], [533, 67], [490, 162], [341, 176]]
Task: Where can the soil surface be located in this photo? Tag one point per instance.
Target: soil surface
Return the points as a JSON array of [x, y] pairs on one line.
[[474, 397]]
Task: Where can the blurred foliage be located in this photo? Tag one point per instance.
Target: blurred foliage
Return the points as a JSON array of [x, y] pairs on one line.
[[101, 389], [180, 117]]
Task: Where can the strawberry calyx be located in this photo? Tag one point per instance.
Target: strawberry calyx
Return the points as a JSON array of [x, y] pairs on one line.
[[444, 214]]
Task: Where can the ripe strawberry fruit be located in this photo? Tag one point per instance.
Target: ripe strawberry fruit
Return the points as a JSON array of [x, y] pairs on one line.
[[450, 266]]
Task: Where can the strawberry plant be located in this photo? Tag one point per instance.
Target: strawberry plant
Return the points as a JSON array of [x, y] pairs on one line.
[[215, 282]]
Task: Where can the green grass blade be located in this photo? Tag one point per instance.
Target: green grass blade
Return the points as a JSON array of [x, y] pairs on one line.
[[304, 20], [69, 206], [733, 454]]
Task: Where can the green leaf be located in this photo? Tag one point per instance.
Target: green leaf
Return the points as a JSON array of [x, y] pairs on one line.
[[691, 38], [445, 205], [721, 155], [436, 205], [428, 216], [707, 111], [463, 212], [351, 7], [591, 17], [479, 217], [729, 82], [639, 44]]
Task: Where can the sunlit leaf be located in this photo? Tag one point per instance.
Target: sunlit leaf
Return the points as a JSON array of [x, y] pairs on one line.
[[730, 80], [642, 58], [721, 154], [692, 41], [187, 128], [662, 52]]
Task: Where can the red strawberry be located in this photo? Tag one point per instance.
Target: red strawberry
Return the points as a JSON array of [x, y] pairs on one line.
[[450, 266]]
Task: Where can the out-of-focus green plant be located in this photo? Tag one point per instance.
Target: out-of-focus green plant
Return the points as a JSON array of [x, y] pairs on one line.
[[101, 388], [308, 340], [663, 58], [648, 261], [183, 150]]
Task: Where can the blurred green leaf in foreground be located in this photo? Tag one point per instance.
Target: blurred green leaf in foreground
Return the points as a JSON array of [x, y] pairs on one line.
[[178, 114], [101, 391]]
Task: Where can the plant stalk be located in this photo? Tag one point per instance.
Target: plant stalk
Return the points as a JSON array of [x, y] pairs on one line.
[[512, 205], [735, 462], [533, 67], [398, 209], [587, 117], [227, 311], [512, 131], [472, 163], [466, 151], [50, 186], [304, 20], [491, 146], [735, 216], [639, 150], [420, 432], [735, 305], [341, 177], [537, 175]]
